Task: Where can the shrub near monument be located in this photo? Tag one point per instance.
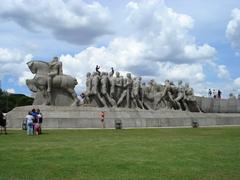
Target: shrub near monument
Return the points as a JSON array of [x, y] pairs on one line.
[[8, 101]]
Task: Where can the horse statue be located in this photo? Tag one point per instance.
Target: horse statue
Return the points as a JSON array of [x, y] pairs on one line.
[[62, 92]]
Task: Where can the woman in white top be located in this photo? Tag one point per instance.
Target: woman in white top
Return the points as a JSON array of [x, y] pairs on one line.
[[29, 119]]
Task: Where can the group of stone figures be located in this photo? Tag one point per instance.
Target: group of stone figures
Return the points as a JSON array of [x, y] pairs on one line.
[[108, 90], [103, 89]]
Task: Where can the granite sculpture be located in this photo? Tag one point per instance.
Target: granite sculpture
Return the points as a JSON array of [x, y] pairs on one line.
[[50, 85], [106, 90]]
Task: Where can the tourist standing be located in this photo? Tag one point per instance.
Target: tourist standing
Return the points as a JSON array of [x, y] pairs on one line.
[[29, 119], [102, 115], [34, 114], [3, 122], [214, 94], [97, 70], [39, 120], [209, 93], [219, 94], [81, 98]]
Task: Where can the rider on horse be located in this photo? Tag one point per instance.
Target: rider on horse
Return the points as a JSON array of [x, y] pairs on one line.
[[55, 68]]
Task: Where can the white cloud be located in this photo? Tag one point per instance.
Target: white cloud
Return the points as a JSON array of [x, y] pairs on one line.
[[158, 45], [223, 72], [204, 52], [165, 33], [237, 82], [73, 21], [24, 76], [11, 90], [192, 73], [6, 55], [233, 29], [13, 62]]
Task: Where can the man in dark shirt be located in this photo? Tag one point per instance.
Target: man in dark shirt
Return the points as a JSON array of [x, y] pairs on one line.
[[3, 122]]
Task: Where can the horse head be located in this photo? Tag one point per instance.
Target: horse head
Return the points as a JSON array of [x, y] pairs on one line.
[[38, 67], [31, 67]]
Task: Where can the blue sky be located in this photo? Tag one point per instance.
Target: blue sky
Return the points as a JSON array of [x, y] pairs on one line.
[[196, 41]]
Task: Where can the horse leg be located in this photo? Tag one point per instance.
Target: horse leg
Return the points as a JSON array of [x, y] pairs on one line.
[[74, 96], [46, 95]]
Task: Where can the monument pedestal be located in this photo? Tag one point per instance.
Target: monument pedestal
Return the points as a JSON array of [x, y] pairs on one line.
[[88, 117]]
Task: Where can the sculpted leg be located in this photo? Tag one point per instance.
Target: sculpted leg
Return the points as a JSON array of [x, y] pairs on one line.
[[49, 85], [157, 99], [123, 95], [101, 100], [111, 100], [178, 99]]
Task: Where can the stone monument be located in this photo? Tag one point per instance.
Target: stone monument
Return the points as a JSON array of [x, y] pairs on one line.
[[50, 85], [106, 90], [125, 100]]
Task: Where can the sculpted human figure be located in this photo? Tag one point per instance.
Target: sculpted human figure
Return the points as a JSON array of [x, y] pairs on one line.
[[189, 97], [136, 91], [88, 84], [95, 89], [167, 94], [144, 94], [118, 86], [180, 96], [112, 82], [104, 90], [95, 83], [127, 93], [124, 92], [167, 89], [151, 89], [88, 87], [49, 76], [55, 68]]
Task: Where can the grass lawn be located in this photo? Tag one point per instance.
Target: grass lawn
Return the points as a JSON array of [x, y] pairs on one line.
[[202, 153]]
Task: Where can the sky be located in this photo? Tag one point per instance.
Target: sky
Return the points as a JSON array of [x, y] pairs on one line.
[[195, 41]]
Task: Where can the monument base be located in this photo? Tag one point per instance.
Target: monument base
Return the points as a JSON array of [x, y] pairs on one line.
[[88, 117]]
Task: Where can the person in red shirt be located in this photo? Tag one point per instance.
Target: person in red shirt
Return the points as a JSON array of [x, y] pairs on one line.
[[102, 114]]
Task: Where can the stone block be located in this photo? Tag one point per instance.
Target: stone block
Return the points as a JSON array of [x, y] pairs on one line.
[[82, 117]]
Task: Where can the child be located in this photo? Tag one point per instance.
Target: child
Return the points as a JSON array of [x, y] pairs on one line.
[[37, 128], [40, 119]]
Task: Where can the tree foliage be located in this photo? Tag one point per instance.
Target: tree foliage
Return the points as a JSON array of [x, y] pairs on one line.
[[9, 101]]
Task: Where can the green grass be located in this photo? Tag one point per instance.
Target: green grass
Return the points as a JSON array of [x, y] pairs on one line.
[[202, 153]]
